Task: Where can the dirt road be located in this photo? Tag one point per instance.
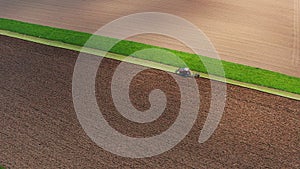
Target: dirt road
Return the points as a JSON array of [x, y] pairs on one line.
[[39, 128], [260, 33]]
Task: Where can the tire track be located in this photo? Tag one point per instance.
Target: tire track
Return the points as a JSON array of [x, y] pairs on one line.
[[296, 52]]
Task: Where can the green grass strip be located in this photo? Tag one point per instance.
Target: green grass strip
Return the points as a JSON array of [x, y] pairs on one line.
[[143, 62], [233, 71]]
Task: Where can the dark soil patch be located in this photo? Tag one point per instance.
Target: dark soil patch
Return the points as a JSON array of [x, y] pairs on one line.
[[39, 128]]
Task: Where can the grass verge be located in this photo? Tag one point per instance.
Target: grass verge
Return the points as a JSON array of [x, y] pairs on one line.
[[233, 71]]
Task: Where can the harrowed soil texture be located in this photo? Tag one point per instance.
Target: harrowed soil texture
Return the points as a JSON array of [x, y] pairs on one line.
[[39, 127]]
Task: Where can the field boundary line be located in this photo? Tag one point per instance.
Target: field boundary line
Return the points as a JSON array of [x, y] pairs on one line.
[[146, 63]]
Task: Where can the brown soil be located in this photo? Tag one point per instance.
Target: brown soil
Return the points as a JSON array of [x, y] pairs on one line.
[[39, 128], [260, 33]]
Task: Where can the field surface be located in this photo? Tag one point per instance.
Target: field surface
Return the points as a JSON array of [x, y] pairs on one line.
[[39, 128], [260, 33]]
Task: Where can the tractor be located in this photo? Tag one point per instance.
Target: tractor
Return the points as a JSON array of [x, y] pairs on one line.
[[186, 72]]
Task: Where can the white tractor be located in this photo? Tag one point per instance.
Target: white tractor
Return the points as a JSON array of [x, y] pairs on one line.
[[186, 72]]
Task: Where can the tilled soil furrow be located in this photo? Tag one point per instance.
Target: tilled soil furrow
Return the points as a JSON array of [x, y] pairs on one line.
[[40, 129]]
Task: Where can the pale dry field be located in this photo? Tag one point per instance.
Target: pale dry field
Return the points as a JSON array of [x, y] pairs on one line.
[[260, 33]]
